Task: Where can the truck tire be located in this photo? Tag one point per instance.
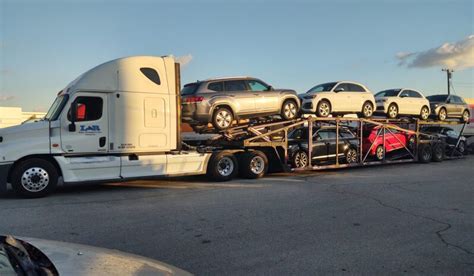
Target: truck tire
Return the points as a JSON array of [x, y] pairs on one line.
[[253, 164], [34, 178], [222, 166], [425, 153], [438, 152]]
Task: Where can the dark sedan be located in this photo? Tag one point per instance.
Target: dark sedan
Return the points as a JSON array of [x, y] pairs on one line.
[[449, 106], [324, 146], [450, 135]]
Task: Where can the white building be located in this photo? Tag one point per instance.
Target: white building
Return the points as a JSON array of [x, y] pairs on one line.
[[10, 116]]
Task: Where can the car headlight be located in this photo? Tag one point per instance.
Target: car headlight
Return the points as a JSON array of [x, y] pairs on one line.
[[309, 97]]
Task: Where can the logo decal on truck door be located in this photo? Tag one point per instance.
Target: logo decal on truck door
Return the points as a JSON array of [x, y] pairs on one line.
[[89, 129]]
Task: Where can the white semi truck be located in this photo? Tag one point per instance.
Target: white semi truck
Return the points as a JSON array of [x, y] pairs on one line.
[[118, 121], [121, 121]]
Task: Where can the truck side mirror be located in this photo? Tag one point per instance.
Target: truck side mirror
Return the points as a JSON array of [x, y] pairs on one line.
[[72, 125]]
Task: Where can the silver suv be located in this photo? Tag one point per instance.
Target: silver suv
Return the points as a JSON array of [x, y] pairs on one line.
[[221, 101]]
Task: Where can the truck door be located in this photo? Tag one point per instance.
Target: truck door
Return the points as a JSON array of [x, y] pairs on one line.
[[91, 125], [85, 142]]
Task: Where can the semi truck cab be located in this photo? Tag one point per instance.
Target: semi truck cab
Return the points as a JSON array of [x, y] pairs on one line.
[[119, 120]]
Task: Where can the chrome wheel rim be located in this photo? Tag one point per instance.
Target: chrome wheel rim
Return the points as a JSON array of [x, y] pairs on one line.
[[301, 160], [257, 165], [225, 166], [35, 179], [323, 109], [289, 110], [392, 111], [368, 110], [380, 153], [424, 113], [223, 118], [351, 156], [442, 114]]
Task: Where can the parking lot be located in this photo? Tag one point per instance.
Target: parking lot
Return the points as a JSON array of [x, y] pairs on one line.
[[413, 218]]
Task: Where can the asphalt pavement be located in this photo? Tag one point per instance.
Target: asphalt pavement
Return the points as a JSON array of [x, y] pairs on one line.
[[393, 219]]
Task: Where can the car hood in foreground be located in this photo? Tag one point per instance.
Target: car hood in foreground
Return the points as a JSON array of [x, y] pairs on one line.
[[76, 259]]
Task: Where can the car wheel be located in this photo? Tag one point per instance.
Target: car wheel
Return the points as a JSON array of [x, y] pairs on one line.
[[222, 118], [289, 110], [392, 112], [438, 152], [351, 155], [323, 109], [411, 143], [442, 114], [466, 116], [380, 153], [424, 153], [300, 159], [253, 164], [367, 110], [34, 178], [222, 166], [462, 147], [424, 113]]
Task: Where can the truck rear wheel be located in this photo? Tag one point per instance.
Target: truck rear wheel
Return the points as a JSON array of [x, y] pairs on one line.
[[34, 178], [222, 166], [253, 164], [425, 153]]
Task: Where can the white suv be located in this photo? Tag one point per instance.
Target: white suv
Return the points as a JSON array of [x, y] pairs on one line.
[[393, 102], [342, 97]]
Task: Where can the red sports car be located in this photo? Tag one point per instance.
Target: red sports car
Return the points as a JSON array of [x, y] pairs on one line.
[[394, 140]]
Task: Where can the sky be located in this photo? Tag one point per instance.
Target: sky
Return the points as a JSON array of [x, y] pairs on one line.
[[383, 44]]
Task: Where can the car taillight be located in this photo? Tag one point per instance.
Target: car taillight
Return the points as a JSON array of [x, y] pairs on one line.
[[194, 99]]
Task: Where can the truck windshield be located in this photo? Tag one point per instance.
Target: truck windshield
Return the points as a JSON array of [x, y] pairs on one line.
[[56, 108]]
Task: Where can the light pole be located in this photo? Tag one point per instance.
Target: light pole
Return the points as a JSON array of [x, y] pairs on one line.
[[449, 73]]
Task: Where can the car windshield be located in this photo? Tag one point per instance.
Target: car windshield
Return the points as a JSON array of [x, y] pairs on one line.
[[189, 89], [388, 93], [56, 108], [437, 98], [322, 87]]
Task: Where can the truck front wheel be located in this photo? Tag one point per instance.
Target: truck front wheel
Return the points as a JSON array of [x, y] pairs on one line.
[[253, 164], [222, 166], [34, 178]]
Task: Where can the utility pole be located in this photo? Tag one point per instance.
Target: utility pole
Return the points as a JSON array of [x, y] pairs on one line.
[[449, 73]]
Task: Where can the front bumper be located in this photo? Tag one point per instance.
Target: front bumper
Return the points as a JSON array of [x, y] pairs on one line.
[[307, 105], [382, 107], [4, 169]]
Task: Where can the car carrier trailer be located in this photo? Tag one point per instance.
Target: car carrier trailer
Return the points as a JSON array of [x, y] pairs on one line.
[[121, 121]]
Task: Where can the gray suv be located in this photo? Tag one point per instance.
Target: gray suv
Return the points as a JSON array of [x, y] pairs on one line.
[[221, 101]]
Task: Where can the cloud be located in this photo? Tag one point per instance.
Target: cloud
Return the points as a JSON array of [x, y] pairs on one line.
[[458, 55], [184, 60], [6, 98]]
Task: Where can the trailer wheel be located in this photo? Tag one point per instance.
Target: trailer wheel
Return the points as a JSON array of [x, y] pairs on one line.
[[222, 166], [438, 152], [462, 148], [425, 153], [253, 164], [34, 178]]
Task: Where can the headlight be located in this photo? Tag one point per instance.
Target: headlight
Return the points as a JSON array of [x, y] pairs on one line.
[[309, 97]]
